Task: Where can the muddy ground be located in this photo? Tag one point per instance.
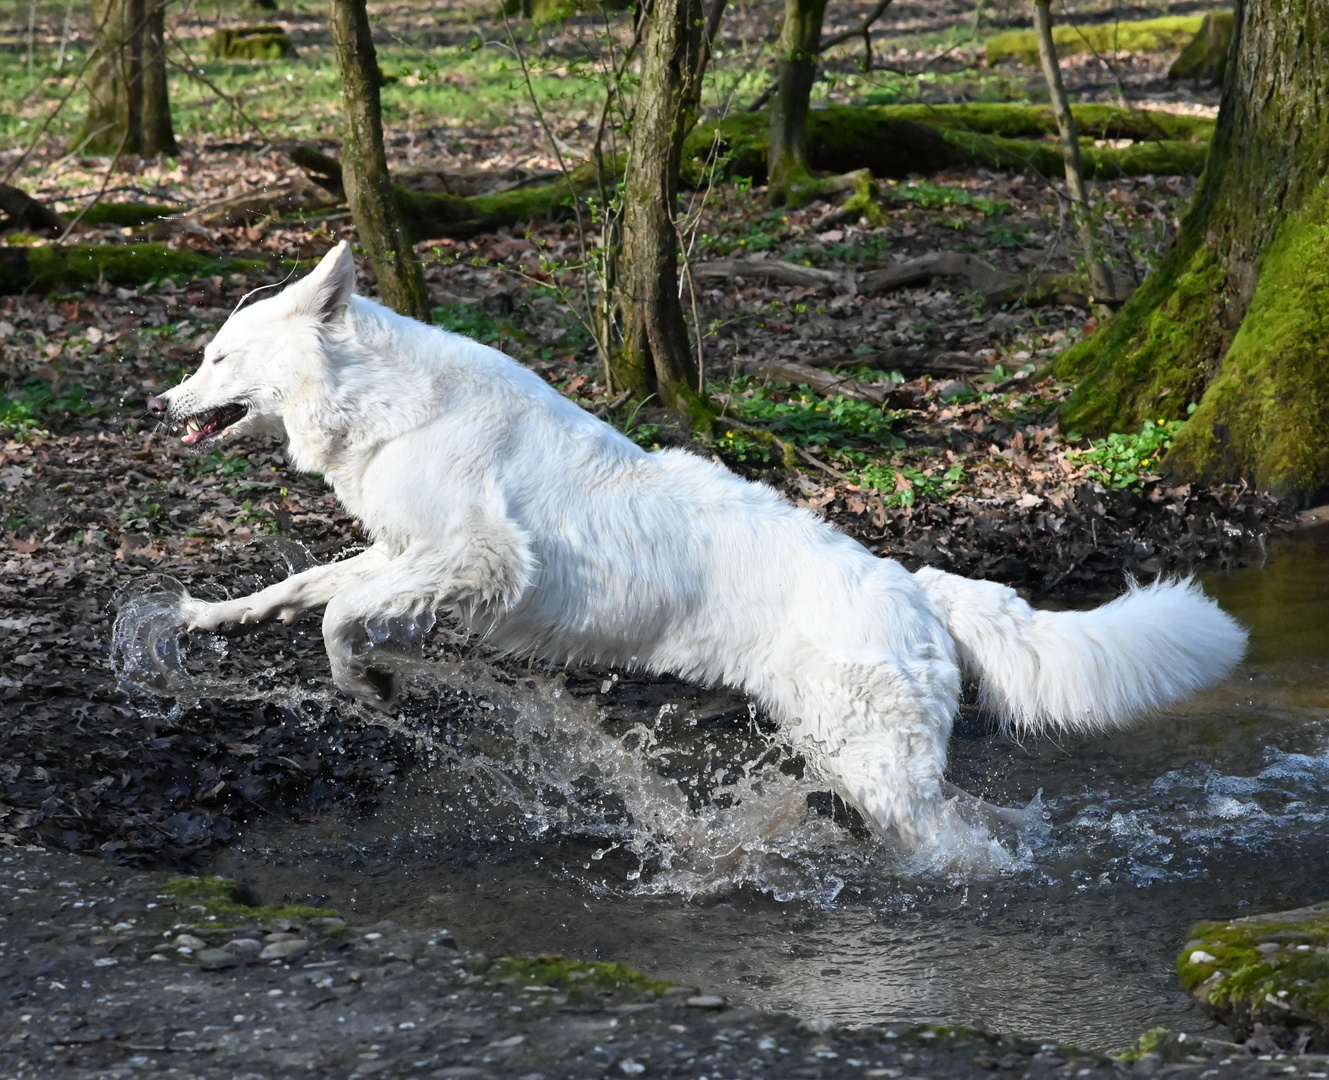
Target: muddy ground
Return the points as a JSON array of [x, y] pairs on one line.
[[111, 972]]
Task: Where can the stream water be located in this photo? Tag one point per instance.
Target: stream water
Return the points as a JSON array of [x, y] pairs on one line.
[[664, 826]]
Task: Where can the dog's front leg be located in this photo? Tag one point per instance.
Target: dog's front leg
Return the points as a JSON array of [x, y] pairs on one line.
[[485, 565], [286, 600]]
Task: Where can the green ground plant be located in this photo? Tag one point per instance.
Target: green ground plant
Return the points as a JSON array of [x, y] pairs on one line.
[[1123, 461]]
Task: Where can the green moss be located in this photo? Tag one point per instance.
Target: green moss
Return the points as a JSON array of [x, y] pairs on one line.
[[41, 269], [894, 141], [575, 975], [1205, 57], [250, 43], [1265, 416], [1285, 984], [127, 215], [1037, 121], [1144, 36], [218, 898], [1141, 364], [1147, 1044]]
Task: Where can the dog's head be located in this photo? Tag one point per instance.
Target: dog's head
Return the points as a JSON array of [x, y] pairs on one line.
[[263, 359]]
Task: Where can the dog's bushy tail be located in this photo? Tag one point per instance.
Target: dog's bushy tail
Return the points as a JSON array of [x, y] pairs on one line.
[[1083, 671]]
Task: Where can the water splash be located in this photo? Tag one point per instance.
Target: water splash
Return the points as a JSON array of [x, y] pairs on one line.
[[542, 757]]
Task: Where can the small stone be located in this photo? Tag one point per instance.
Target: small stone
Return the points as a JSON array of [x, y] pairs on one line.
[[190, 942], [950, 389], [705, 1001], [680, 991], [215, 959], [244, 946], [1199, 956], [105, 961], [281, 935], [287, 950]]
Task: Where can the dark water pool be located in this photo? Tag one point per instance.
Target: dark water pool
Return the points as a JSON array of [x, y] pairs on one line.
[[612, 821]]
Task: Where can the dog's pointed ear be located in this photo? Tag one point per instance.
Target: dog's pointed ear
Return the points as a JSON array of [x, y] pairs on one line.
[[328, 288]]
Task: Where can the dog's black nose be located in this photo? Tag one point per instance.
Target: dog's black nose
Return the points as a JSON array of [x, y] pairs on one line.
[[157, 405]]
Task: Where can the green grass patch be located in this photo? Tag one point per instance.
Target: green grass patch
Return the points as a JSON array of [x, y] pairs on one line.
[[574, 975], [928, 196], [218, 901]]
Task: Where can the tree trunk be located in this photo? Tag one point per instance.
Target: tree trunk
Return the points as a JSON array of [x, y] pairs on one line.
[[788, 175], [129, 110], [656, 357], [401, 281], [1236, 319], [1070, 143]]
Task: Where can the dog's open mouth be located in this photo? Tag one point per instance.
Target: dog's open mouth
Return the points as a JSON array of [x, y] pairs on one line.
[[207, 425]]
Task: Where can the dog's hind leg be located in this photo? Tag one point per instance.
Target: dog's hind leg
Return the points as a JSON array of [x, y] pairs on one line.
[[286, 600], [877, 733]]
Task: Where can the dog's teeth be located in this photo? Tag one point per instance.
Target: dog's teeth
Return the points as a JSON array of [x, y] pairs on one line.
[[191, 425]]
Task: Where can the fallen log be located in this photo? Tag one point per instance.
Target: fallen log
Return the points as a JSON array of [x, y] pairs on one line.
[[772, 269], [824, 382], [25, 212], [41, 269], [1166, 34], [980, 276], [430, 209], [895, 141]]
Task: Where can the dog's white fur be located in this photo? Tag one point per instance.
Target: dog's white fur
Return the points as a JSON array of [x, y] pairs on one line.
[[491, 497]]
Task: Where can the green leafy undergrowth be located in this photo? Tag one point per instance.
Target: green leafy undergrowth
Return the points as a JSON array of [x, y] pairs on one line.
[[473, 322], [807, 419], [575, 975], [1123, 461], [904, 485], [943, 197], [34, 405], [219, 902]]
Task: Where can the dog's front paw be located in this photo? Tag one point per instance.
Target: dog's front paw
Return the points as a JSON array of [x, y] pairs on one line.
[[223, 616], [370, 683]]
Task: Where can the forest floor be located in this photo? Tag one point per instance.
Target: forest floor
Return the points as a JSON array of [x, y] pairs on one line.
[[964, 467]]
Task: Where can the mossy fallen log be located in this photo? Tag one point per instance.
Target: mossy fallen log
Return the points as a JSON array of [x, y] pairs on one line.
[[894, 141], [1205, 58], [1036, 121], [250, 43], [72, 266], [431, 214], [1271, 970], [1166, 34]]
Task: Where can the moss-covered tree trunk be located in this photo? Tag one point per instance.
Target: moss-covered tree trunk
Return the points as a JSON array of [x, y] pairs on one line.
[[129, 109], [656, 357], [788, 174], [365, 166], [1236, 319]]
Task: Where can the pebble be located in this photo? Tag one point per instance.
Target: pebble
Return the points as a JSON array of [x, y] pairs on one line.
[[705, 1001], [216, 959], [244, 946], [189, 941], [288, 949]]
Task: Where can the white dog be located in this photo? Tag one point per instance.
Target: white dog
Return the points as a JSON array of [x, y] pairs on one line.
[[492, 498]]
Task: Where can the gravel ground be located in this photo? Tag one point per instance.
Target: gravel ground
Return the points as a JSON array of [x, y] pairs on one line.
[[112, 972]]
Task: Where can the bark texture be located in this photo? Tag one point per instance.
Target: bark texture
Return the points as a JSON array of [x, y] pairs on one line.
[[656, 356], [1236, 319], [796, 70], [365, 167], [129, 110], [1070, 144]]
